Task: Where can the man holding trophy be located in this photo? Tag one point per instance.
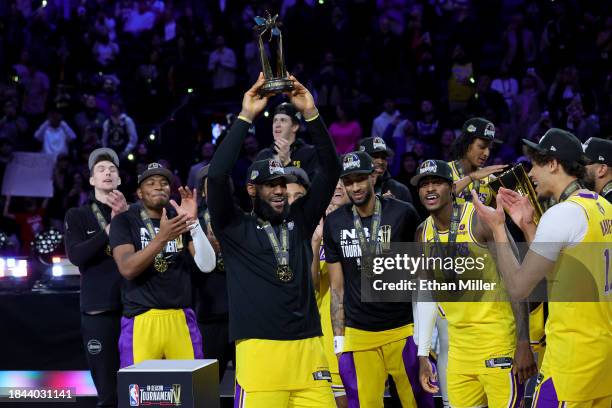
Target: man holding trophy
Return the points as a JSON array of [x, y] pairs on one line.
[[570, 247]]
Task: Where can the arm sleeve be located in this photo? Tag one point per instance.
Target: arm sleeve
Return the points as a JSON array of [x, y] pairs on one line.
[[220, 200], [204, 254], [315, 202], [40, 132], [80, 248], [68, 130], [564, 224], [332, 253], [424, 320]]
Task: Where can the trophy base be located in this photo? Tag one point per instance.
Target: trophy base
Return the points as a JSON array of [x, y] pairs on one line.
[[276, 85]]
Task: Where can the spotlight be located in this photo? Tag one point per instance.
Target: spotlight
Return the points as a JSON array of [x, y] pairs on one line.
[[47, 242], [57, 270], [152, 135], [44, 3], [266, 114], [130, 157], [472, 80], [189, 90]]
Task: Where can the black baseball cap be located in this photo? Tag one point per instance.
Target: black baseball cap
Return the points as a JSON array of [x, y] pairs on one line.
[[290, 110], [262, 171], [559, 144], [433, 168], [103, 151], [356, 163], [155, 169], [300, 175], [373, 145], [479, 128], [598, 150]]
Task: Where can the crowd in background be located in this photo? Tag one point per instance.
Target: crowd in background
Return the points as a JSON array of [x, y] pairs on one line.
[[159, 80]]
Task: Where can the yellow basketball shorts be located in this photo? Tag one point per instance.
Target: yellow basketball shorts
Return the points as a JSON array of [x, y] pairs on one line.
[[545, 396], [316, 397], [364, 374], [498, 388], [157, 334]]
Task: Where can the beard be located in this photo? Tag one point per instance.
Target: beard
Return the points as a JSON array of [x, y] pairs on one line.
[[364, 200], [589, 181], [267, 213]]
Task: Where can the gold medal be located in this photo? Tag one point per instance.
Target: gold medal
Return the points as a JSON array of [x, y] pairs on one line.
[[107, 251], [160, 264], [284, 273]]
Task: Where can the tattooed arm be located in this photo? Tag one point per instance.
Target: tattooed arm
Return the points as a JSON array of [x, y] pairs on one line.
[[336, 283]]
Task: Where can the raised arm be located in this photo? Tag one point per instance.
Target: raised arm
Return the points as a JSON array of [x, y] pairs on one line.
[[219, 200], [314, 204]]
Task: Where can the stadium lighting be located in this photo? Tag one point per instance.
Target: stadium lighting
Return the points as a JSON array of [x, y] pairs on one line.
[[2, 267], [130, 157], [44, 3], [266, 114], [189, 90], [152, 135]]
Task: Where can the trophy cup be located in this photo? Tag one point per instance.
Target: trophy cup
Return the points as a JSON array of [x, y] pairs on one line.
[[279, 81], [517, 179]]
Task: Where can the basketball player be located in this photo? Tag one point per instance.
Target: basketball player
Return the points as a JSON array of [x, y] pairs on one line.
[[489, 355], [598, 175], [155, 251], [372, 339], [472, 150], [322, 292], [267, 257], [570, 248], [86, 235]]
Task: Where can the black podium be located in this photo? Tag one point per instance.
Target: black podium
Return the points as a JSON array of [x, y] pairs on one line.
[[169, 383]]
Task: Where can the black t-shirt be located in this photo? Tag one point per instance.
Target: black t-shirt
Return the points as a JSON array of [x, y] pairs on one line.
[[341, 244], [260, 305], [151, 289]]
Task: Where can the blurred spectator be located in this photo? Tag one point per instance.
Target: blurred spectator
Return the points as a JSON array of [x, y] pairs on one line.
[[579, 123], [36, 85], [108, 94], [105, 51], [345, 131], [461, 81], [222, 65], [119, 131], [380, 123], [13, 126], [206, 154], [540, 127], [139, 19], [488, 103], [404, 140], [527, 106], [506, 85], [520, 46], [89, 117], [30, 219], [252, 60], [55, 135], [78, 193], [447, 138], [330, 82], [56, 208], [427, 123]]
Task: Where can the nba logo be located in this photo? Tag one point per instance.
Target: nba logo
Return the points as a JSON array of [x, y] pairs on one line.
[[134, 395]]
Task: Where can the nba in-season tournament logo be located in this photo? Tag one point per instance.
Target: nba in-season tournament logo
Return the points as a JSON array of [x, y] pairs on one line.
[[155, 395]]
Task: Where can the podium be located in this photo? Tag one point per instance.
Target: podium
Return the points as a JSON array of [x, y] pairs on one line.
[[169, 383]]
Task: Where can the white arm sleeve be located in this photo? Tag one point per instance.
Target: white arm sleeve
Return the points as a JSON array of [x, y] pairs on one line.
[[204, 257], [424, 321], [564, 224]]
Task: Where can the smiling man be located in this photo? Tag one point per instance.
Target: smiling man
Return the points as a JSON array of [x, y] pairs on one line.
[[489, 356], [154, 246], [472, 150], [287, 148], [372, 340], [570, 248], [267, 257]]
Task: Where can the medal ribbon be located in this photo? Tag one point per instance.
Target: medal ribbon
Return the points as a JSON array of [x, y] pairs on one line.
[[452, 233], [281, 251], [569, 190], [374, 227], [101, 220], [149, 225], [607, 188]]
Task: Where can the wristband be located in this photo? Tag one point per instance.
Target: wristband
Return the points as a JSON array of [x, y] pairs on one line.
[[194, 226], [338, 344], [250, 122]]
